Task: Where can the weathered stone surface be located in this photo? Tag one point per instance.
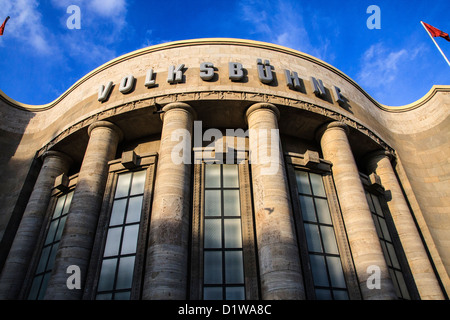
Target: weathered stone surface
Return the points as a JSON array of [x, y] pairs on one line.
[[79, 231], [167, 257]]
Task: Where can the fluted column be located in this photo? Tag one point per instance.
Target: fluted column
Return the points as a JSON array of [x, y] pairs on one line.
[[14, 271], [278, 254], [359, 224], [419, 263], [167, 258], [79, 231]]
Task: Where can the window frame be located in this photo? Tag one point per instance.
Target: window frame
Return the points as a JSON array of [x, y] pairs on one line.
[[116, 167], [295, 161], [55, 194], [376, 189], [251, 278]]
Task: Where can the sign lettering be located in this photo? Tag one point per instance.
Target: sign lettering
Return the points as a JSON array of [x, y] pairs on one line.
[[236, 73]]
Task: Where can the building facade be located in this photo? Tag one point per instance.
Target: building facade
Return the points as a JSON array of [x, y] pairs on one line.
[[224, 169]]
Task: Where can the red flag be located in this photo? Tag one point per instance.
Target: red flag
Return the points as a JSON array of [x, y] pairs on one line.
[[435, 32], [2, 28]]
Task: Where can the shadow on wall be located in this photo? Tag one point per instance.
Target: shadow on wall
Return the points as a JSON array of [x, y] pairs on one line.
[[18, 173]]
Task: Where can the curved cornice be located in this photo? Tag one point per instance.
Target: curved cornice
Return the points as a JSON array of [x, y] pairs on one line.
[[186, 97], [223, 41]]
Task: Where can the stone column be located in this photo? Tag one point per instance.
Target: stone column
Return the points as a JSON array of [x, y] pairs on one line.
[[167, 258], [421, 268], [279, 259], [359, 224], [79, 231], [14, 271]]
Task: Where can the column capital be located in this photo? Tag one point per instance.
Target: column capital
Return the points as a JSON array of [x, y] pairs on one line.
[[379, 154], [371, 158], [178, 105], [106, 124], [262, 105], [59, 154], [330, 125]]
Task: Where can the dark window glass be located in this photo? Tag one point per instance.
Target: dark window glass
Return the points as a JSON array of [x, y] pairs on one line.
[[223, 265], [328, 276], [117, 270], [387, 245], [51, 244]]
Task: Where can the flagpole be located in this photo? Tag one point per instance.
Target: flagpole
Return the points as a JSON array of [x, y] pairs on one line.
[[435, 43]]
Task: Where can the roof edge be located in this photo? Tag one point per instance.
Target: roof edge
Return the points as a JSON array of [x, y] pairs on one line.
[[227, 41]]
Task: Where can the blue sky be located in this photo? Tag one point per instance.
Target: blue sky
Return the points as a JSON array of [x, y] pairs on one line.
[[40, 57]]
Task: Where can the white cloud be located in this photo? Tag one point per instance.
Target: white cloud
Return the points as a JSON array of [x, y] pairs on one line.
[[102, 22], [380, 65], [108, 8], [113, 11], [26, 25], [283, 23]]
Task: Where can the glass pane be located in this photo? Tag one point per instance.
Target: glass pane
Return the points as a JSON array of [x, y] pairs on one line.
[[340, 295], [377, 226], [113, 242], [67, 203], [62, 222], [319, 270], [235, 293], [233, 236], [138, 183], [329, 240], [231, 204], [106, 281], [122, 295], [323, 212], [307, 207], [385, 230], [59, 207], [125, 274], [104, 296], [393, 255], [396, 287], [212, 293], [35, 288], [118, 212], [213, 233], [302, 182], [336, 273], [51, 231], [43, 259], [134, 209], [386, 254], [323, 294], [369, 201], [212, 203], [377, 205], [230, 176], [212, 176], [402, 284], [234, 267], [212, 272], [312, 237], [130, 236], [52, 258], [44, 286], [123, 185], [317, 184]]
